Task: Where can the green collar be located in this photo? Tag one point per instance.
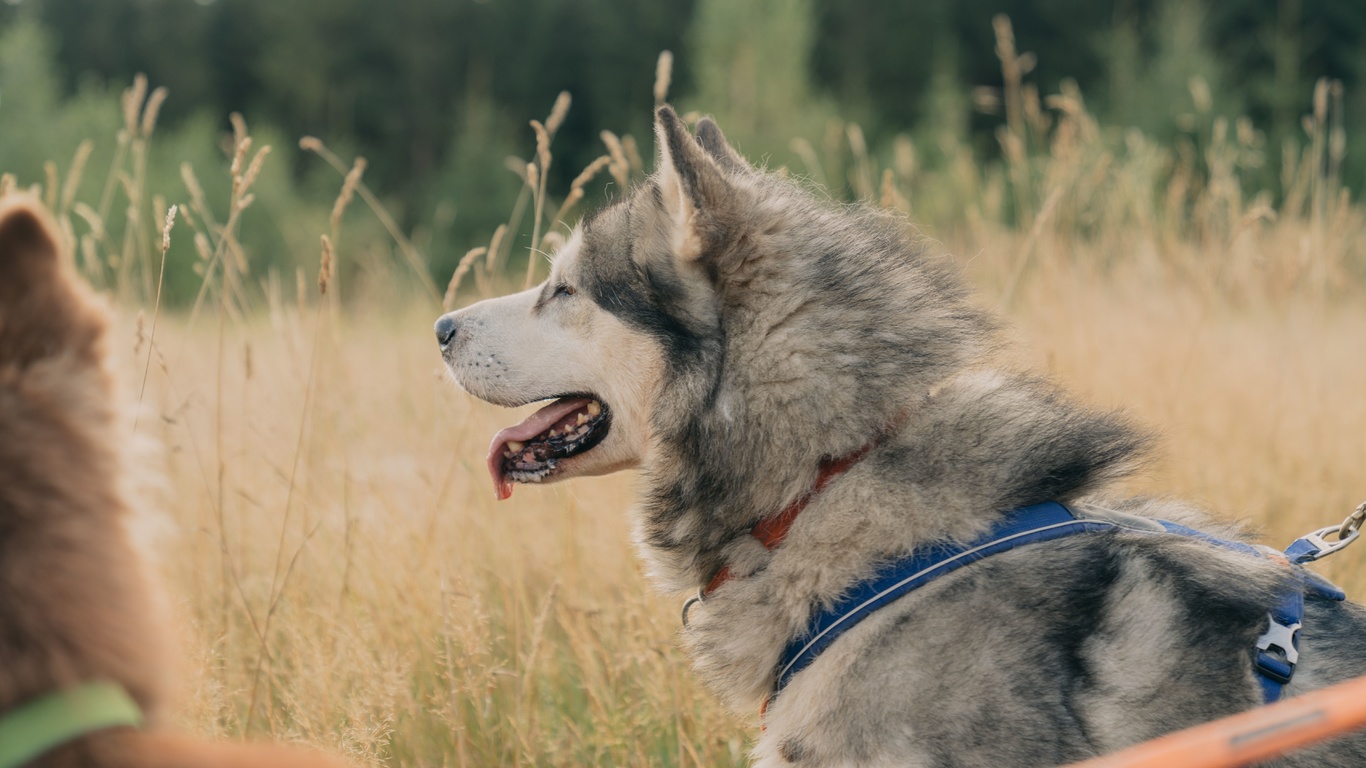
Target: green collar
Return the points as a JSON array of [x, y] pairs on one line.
[[50, 721]]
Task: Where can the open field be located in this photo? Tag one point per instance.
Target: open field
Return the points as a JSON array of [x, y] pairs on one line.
[[318, 500], [332, 544]]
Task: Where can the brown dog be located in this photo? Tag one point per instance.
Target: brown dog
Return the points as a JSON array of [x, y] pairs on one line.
[[77, 610]]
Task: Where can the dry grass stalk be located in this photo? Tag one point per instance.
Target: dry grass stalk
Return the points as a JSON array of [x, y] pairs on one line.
[[416, 261], [558, 112], [151, 111], [91, 218], [576, 192], [461, 269], [632, 150], [542, 144], [620, 168], [861, 174], [75, 172], [804, 151], [239, 129], [348, 191], [166, 229], [254, 169], [537, 178], [496, 244], [532, 176], [891, 197], [50, 188], [132, 103], [664, 68], [156, 311], [196, 191], [325, 266], [139, 335]]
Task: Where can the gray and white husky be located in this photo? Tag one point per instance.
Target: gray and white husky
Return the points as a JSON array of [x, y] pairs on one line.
[[731, 335]]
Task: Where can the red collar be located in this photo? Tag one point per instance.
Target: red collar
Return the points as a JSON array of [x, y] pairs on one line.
[[772, 530]]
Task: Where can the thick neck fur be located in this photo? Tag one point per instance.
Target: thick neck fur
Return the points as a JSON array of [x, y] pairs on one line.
[[831, 325], [836, 331]]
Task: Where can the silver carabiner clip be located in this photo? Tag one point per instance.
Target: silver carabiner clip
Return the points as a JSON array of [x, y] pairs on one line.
[[1324, 546]]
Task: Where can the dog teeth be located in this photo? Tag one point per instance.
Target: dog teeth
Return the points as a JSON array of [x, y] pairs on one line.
[[583, 419], [554, 432], [515, 447], [594, 408]]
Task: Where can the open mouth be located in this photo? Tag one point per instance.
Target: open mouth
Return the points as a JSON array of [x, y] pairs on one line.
[[530, 451]]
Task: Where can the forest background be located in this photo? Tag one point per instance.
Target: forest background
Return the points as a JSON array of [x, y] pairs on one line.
[[436, 94]]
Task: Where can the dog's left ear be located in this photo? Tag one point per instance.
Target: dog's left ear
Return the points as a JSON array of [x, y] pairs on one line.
[[693, 188], [714, 142]]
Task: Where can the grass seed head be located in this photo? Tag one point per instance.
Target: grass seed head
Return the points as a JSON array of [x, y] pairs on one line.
[[620, 167], [91, 218], [192, 186], [558, 113], [542, 143], [50, 186], [664, 68], [348, 191], [254, 169], [166, 230], [632, 149], [325, 266], [591, 170], [153, 108], [465, 265], [133, 97], [74, 174]]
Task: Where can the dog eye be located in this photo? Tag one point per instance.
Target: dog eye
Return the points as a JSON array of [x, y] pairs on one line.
[[562, 290]]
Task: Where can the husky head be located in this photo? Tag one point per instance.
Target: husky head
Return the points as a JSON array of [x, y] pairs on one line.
[[722, 327]]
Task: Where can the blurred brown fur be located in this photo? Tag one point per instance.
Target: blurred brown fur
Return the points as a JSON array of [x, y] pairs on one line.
[[76, 603]]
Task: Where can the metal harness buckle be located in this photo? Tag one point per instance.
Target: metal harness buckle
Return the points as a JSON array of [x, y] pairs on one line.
[[1278, 655]]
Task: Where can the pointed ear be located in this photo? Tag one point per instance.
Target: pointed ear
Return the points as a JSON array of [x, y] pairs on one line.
[[43, 309], [714, 142], [692, 187], [28, 247]]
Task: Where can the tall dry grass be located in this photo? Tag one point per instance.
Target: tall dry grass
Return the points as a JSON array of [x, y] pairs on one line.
[[330, 539]]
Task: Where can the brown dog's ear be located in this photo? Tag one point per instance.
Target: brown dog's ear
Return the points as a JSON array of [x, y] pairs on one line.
[[692, 187], [714, 142], [44, 309], [28, 248]]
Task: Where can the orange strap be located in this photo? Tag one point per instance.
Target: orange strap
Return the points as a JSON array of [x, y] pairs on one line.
[[1253, 736]]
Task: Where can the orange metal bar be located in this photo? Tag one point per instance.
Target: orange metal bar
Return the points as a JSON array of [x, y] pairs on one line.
[[1248, 737]]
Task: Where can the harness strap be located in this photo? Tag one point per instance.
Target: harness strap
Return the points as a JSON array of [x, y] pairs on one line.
[[1028, 525], [1276, 648], [48, 722]]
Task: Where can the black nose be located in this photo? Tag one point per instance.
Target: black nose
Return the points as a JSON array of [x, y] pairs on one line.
[[445, 329]]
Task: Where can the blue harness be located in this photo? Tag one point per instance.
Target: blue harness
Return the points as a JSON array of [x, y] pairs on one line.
[[1277, 651]]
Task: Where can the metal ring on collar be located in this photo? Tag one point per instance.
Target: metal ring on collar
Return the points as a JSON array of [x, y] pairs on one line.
[[688, 604]]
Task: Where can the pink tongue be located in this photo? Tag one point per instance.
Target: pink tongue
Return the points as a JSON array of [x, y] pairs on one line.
[[535, 424]]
